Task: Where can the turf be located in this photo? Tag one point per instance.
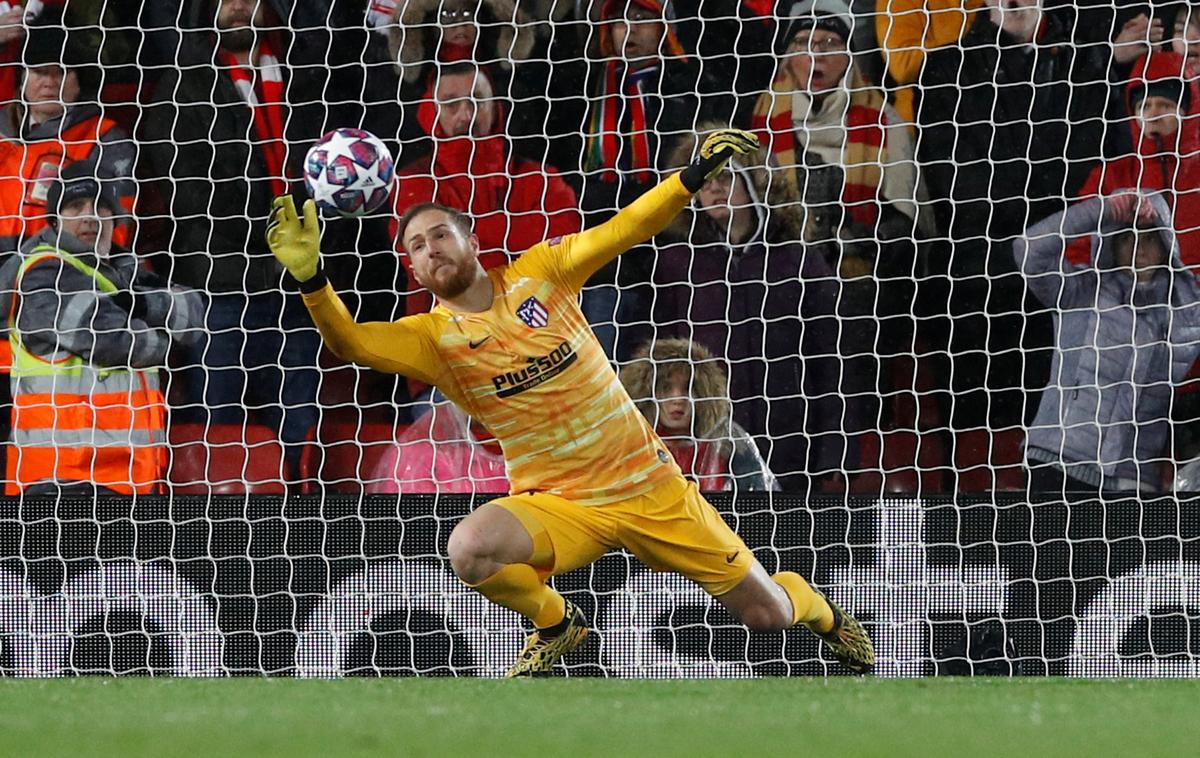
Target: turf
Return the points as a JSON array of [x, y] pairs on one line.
[[438, 717]]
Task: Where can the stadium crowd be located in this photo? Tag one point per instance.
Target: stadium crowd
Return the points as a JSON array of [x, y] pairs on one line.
[[965, 252]]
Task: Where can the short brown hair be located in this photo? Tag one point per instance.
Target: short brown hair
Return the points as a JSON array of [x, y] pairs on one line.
[[461, 220]]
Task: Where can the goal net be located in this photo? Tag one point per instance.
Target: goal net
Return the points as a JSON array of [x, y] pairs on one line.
[[931, 346]]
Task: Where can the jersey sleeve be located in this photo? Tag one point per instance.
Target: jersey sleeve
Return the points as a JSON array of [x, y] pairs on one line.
[[570, 261], [398, 347]]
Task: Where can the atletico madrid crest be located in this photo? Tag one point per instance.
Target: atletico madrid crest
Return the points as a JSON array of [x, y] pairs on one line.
[[533, 313]]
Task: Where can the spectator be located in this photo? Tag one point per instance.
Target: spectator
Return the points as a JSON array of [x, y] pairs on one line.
[[515, 202], [682, 391], [508, 40], [52, 126], [838, 142], [744, 285], [1185, 37], [90, 328], [220, 135], [443, 451], [636, 101], [906, 30], [1128, 329], [1166, 139], [12, 37], [1011, 121]]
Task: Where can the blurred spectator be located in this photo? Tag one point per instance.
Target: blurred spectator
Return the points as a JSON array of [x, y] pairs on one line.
[[1011, 121], [682, 391], [514, 202], [90, 327], [12, 39], [744, 286], [1166, 140], [634, 103], [442, 451], [221, 135], [906, 30], [838, 142], [1128, 329], [499, 36], [53, 125], [1185, 36]]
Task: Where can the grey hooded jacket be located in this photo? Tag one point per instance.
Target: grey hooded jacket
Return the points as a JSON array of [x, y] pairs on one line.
[[63, 312], [1121, 348]]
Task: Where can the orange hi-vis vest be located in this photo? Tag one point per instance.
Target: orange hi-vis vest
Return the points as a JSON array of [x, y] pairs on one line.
[[23, 193], [75, 422]]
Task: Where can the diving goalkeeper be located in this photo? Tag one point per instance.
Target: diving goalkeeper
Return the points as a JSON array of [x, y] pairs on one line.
[[511, 348]]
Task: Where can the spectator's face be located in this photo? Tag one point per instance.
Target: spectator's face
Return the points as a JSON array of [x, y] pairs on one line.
[[638, 36], [675, 405], [465, 105], [1158, 117], [817, 59], [237, 19], [91, 225], [457, 24], [1142, 254], [721, 196], [50, 88], [1020, 18], [444, 258], [1186, 42]]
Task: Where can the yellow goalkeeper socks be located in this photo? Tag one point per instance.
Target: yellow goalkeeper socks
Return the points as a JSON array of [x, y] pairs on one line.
[[808, 607], [519, 587]]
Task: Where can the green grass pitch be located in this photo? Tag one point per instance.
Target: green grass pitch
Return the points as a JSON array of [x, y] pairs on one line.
[[573, 717]]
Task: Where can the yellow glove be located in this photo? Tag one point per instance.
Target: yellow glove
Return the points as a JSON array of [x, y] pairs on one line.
[[715, 152], [295, 242]]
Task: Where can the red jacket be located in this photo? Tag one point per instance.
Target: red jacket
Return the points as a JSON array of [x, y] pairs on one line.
[[1155, 167], [515, 203]]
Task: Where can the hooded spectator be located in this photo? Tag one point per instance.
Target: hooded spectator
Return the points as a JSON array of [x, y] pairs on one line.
[[682, 391], [743, 285], [89, 329], [1127, 330], [514, 203], [1165, 133]]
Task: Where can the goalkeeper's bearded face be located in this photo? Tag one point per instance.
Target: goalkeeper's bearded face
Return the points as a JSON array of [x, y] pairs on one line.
[[444, 254]]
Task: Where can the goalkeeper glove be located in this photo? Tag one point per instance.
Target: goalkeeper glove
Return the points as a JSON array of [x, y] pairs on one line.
[[715, 152], [295, 242]]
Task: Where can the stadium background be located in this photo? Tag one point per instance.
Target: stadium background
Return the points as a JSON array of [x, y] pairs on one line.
[[265, 556]]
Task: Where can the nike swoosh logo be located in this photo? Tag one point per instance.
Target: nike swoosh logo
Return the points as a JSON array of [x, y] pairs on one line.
[[732, 556], [476, 343]]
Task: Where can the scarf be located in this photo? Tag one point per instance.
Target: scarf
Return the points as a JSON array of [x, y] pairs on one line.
[[261, 86], [618, 137], [848, 131]]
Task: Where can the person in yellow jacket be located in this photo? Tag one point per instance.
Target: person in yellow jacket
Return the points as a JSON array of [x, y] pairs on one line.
[[88, 329], [588, 474]]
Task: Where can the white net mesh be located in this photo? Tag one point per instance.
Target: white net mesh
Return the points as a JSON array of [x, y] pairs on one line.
[[960, 263]]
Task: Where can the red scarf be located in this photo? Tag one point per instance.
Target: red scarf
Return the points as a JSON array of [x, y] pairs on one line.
[[605, 128], [261, 86]]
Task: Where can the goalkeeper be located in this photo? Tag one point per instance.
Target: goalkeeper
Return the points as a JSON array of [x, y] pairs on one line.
[[511, 348]]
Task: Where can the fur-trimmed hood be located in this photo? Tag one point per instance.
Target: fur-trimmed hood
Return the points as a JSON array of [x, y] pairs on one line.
[[510, 32], [776, 202], [646, 377]]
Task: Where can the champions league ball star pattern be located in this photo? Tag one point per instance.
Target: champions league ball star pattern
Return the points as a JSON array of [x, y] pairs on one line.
[[349, 171]]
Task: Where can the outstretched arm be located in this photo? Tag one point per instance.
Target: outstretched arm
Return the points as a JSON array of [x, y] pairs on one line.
[[400, 347], [573, 260]]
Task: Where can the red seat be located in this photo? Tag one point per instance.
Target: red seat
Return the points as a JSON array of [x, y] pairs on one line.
[[225, 459], [900, 462], [987, 460], [350, 444]]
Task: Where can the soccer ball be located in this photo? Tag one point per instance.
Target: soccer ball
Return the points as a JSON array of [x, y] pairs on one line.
[[349, 171]]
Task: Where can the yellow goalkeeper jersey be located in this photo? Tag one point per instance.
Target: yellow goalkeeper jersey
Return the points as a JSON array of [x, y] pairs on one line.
[[530, 369]]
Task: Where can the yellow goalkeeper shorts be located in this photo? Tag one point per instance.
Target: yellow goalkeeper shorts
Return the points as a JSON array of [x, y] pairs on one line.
[[670, 528]]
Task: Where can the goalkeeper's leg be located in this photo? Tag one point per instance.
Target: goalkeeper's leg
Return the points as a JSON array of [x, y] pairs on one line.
[[505, 554], [770, 603]]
